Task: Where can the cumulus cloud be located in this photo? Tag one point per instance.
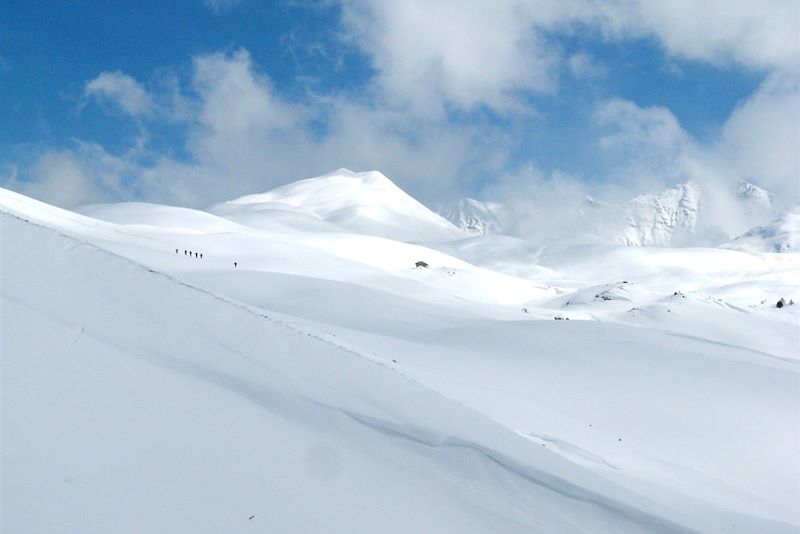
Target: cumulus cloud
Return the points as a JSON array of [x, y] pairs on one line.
[[540, 204], [759, 142], [472, 53], [69, 178], [420, 119], [122, 91], [464, 54], [645, 148], [759, 34], [634, 127], [761, 139], [243, 137]]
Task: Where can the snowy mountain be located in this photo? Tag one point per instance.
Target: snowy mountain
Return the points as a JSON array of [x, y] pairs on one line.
[[781, 235], [343, 201], [677, 216], [361, 202], [659, 219], [147, 389], [474, 216], [664, 219], [755, 194]]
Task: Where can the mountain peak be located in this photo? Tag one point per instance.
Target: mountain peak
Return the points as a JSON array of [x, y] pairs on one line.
[[359, 202], [780, 235], [373, 176], [749, 191], [658, 219], [474, 216]]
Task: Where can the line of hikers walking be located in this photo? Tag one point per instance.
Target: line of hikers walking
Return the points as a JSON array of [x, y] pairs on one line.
[[198, 255], [190, 253]]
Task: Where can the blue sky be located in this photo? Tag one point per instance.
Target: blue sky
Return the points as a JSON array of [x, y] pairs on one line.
[[191, 103]]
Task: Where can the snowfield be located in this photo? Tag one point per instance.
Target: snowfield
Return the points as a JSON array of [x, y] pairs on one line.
[[326, 384]]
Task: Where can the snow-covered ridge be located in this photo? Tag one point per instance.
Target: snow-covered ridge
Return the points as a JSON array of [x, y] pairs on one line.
[[677, 216], [360, 202], [646, 220], [756, 194], [663, 219], [474, 216], [157, 215], [780, 235]]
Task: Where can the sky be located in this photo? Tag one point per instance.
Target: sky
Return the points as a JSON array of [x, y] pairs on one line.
[[195, 102]]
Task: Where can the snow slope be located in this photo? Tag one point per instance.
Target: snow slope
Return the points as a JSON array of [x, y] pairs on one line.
[[756, 195], [206, 413], [474, 216], [158, 216], [663, 219], [157, 392], [780, 235], [365, 203]]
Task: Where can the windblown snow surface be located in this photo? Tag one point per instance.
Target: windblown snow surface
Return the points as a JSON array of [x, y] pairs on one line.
[[325, 384]]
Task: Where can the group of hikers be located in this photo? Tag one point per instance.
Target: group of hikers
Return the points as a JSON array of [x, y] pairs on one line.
[[198, 255], [189, 253]]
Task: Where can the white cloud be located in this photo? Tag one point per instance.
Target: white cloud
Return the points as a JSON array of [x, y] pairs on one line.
[[761, 139], [431, 55], [459, 53], [68, 178], [238, 101], [547, 205], [242, 137], [121, 90], [640, 128], [760, 34], [582, 65]]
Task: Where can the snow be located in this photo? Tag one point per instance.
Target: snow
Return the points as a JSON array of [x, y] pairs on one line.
[[366, 203], [326, 384], [662, 219], [780, 235], [757, 195], [142, 213], [474, 216], [682, 215]]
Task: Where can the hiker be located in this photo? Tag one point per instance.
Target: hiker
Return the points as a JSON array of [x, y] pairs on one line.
[[234, 265], [176, 251], [184, 252], [195, 254], [201, 255]]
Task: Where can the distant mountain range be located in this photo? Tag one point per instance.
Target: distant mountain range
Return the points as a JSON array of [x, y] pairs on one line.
[[369, 203], [673, 217]]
